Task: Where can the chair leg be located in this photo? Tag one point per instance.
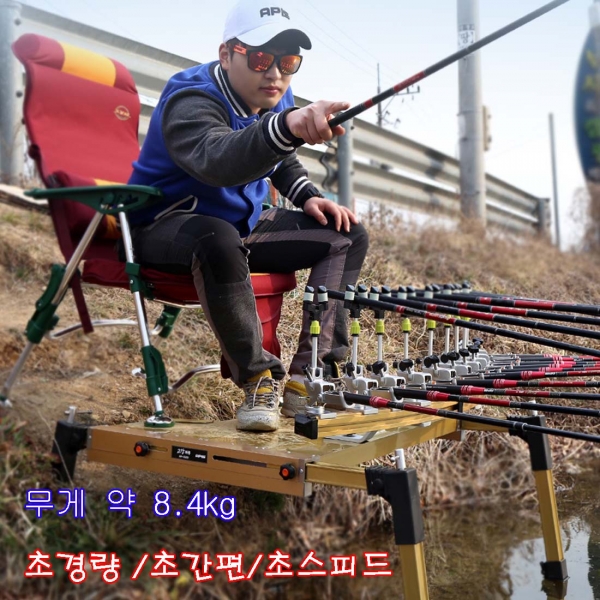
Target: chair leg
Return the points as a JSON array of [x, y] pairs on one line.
[[156, 376], [44, 318], [14, 375], [166, 321]]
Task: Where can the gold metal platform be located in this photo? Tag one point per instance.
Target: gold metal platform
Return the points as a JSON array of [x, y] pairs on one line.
[[288, 463], [218, 452]]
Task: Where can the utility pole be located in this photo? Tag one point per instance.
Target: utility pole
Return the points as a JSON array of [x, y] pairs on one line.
[[345, 167], [379, 108], [554, 180], [470, 117], [382, 111]]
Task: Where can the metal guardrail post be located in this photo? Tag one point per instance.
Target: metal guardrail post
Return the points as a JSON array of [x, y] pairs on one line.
[[543, 225], [11, 140], [345, 172]]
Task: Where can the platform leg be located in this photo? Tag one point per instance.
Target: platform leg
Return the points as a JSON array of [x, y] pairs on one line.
[[401, 489], [412, 559], [69, 439], [555, 567]]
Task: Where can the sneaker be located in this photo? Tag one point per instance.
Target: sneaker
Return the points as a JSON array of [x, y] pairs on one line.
[[260, 410], [295, 396]]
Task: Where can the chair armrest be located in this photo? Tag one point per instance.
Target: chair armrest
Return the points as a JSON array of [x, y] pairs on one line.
[[106, 199]]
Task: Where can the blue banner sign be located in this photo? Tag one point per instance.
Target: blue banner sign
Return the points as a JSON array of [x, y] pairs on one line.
[[587, 107]]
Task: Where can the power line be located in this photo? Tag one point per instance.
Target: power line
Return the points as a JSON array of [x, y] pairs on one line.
[[339, 44], [426, 121], [389, 80], [493, 155], [351, 39], [340, 29], [356, 66], [336, 40]]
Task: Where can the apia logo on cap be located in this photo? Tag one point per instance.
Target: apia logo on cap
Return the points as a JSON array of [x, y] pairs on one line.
[[274, 10]]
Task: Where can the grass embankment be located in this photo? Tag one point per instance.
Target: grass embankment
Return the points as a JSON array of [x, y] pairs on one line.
[[92, 372]]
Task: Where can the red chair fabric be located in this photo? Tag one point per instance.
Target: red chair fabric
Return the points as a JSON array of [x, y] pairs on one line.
[[81, 111]]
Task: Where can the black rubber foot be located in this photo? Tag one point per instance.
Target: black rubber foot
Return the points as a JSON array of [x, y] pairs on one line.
[[555, 570], [69, 439], [306, 426]]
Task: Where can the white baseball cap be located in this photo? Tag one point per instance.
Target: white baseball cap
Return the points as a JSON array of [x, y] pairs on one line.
[[256, 22]]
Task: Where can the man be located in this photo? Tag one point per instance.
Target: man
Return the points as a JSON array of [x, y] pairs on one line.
[[218, 131]]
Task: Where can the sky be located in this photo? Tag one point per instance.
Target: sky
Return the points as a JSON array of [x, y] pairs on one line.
[[526, 75]]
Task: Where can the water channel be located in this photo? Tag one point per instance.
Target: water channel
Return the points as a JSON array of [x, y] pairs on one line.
[[494, 553]]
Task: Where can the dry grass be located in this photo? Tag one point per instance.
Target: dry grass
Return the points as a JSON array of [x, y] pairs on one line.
[[92, 373]]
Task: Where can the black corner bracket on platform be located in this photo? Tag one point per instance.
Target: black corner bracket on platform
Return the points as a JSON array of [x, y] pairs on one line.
[[306, 426], [401, 489], [539, 447], [69, 439]]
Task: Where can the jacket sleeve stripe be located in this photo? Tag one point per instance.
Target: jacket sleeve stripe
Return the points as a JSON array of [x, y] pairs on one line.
[[296, 187], [279, 143]]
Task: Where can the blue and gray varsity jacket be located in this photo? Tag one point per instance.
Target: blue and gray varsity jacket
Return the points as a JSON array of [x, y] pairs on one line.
[[209, 155]]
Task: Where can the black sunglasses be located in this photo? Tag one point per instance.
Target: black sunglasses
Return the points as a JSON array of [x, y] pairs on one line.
[[260, 61]]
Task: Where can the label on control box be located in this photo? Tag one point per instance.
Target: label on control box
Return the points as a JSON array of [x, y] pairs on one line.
[[191, 454]]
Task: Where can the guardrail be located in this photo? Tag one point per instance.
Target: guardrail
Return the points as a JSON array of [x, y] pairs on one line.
[[387, 167]]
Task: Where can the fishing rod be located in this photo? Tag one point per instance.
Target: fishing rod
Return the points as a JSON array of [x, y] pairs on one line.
[[550, 357], [505, 372], [530, 375], [451, 289], [520, 361], [469, 290], [472, 390], [519, 312], [434, 396], [335, 295], [510, 383], [503, 365], [571, 364], [512, 426], [505, 320], [557, 359], [585, 309], [360, 108]]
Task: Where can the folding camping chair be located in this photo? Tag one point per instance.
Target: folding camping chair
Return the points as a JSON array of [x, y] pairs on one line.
[[81, 112]]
